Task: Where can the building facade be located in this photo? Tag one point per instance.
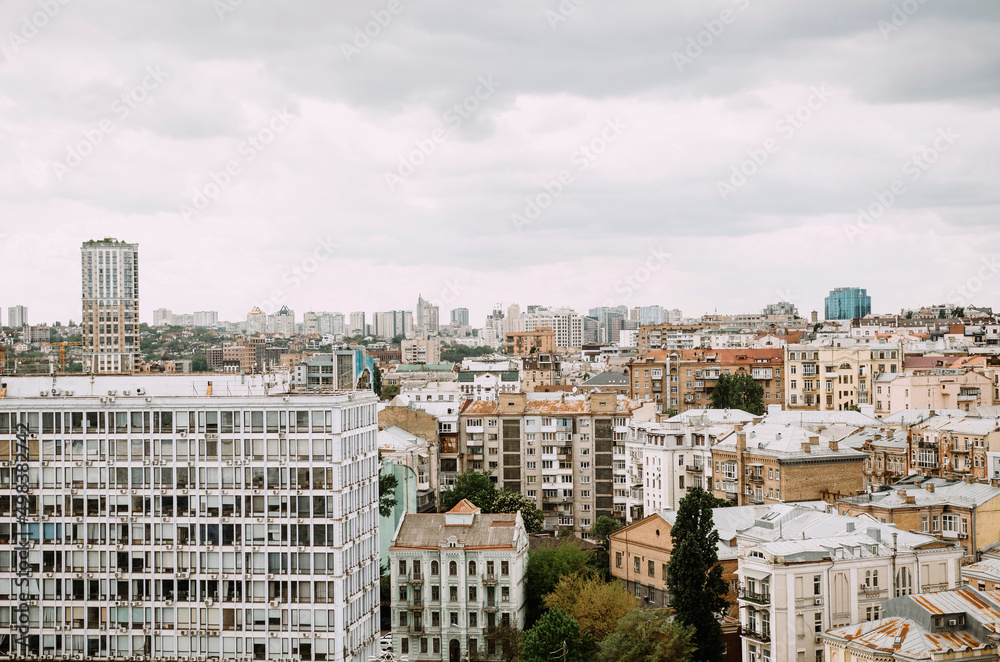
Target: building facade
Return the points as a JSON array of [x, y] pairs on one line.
[[554, 448], [826, 378], [456, 578], [167, 520], [110, 323]]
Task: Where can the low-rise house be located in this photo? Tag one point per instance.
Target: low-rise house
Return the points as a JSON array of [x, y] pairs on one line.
[[455, 577]]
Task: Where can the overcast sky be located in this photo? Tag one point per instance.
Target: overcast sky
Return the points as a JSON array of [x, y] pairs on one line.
[[577, 153]]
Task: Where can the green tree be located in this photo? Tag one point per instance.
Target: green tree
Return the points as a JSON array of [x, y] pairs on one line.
[[554, 631], [546, 566], [508, 501], [958, 311], [595, 605], [694, 575], [386, 491], [472, 485], [740, 391], [603, 527], [480, 490], [852, 407], [199, 363], [647, 635], [397, 339], [377, 382], [670, 412]]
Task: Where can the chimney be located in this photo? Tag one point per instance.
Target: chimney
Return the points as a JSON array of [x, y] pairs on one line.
[[970, 479], [806, 447], [918, 482], [876, 437], [741, 442], [814, 439], [930, 487], [834, 446], [902, 494]]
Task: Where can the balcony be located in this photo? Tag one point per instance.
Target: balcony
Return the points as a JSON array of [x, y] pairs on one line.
[[763, 637], [694, 468], [415, 578], [417, 604], [752, 596], [491, 606], [755, 478], [490, 580], [872, 592], [416, 627]]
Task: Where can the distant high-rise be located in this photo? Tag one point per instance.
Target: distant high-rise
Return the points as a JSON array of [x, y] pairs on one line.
[[110, 305], [206, 318], [846, 303], [357, 324], [428, 316], [163, 317], [256, 322], [17, 316], [460, 316], [781, 308]]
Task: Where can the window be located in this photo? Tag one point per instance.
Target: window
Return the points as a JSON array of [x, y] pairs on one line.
[[817, 590], [636, 564], [818, 622], [434, 568], [472, 568], [453, 569], [504, 568], [651, 568], [618, 559]]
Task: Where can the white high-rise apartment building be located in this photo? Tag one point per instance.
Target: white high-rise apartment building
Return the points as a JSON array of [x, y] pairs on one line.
[[567, 325], [178, 518], [357, 324], [110, 306], [163, 317], [206, 318], [17, 316]]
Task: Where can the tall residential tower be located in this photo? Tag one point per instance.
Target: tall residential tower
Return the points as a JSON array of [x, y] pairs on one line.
[[110, 286]]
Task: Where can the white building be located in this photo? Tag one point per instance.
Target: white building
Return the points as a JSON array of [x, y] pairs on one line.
[[17, 316], [454, 577], [802, 573], [172, 517], [676, 458], [163, 317], [206, 318], [568, 326]]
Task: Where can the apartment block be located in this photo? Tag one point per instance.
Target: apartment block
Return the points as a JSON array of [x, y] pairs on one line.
[[540, 370], [658, 336], [541, 339], [827, 378], [17, 316], [685, 379], [556, 449], [173, 517], [564, 322], [802, 574], [948, 446], [110, 321], [951, 510], [770, 463], [345, 368], [421, 350], [676, 458], [456, 577], [962, 389]]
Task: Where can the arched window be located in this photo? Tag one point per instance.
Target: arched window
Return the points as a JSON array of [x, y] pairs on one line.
[[472, 568], [875, 578], [434, 568], [453, 569], [868, 578]]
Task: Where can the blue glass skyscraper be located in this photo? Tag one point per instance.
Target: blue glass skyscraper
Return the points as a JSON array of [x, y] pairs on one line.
[[845, 303]]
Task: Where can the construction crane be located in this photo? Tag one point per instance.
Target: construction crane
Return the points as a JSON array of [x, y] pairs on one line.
[[62, 345]]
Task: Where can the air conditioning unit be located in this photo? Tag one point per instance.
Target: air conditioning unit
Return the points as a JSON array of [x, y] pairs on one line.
[[126, 392], [68, 392], [112, 392], [952, 621], [818, 601], [819, 639], [140, 391], [43, 393]]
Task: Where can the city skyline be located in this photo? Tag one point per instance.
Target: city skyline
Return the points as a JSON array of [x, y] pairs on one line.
[[805, 143]]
